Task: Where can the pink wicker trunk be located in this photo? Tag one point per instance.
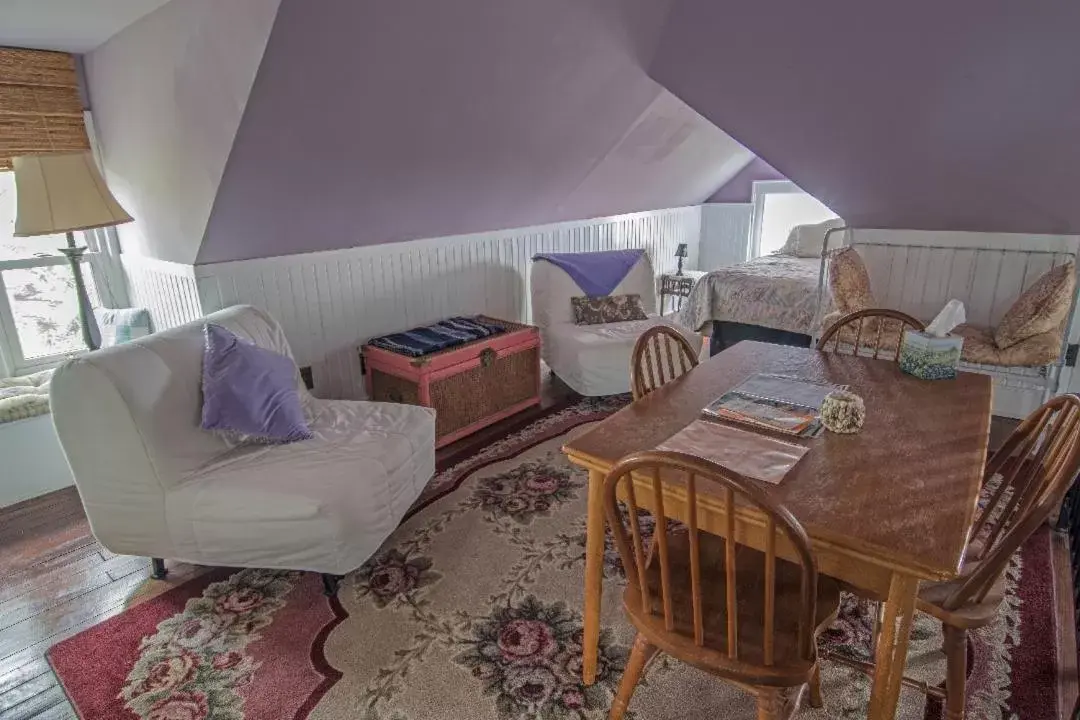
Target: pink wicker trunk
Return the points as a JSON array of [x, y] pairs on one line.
[[470, 386]]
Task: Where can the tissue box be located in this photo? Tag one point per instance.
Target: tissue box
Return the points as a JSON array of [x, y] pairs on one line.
[[929, 357]]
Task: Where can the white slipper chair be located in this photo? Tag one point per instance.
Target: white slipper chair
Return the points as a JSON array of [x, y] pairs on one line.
[[155, 484], [592, 359]]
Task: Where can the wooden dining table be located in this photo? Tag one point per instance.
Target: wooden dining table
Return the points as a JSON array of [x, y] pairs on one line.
[[885, 508]]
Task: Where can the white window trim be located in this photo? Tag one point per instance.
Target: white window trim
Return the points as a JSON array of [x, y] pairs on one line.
[[12, 360], [761, 189]]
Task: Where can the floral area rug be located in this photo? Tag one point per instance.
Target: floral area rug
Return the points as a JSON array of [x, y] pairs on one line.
[[472, 610]]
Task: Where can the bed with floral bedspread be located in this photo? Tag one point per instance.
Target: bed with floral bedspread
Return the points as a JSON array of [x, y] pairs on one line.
[[772, 291]]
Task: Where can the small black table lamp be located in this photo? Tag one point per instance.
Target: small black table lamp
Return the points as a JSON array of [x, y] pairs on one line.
[[680, 252]]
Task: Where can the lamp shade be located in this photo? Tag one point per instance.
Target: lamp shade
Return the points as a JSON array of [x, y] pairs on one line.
[[61, 193], [680, 251]]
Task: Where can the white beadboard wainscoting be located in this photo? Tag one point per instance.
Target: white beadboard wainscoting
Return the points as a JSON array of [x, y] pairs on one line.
[[166, 289], [330, 302]]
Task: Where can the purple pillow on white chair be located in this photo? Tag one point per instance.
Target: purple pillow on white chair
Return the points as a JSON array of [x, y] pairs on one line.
[[249, 393]]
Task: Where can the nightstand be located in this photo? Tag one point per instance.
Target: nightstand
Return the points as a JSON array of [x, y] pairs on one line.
[[677, 286]]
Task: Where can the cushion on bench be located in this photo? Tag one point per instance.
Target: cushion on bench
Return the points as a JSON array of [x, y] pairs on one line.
[[24, 396], [979, 347]]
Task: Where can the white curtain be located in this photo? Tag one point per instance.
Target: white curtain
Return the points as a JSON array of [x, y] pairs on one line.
[[104, 245], [104, 261]]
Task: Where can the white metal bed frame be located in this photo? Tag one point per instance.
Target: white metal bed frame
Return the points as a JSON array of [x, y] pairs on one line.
[[1044, 378]]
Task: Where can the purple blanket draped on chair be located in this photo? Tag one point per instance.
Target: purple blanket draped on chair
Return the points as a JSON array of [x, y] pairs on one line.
[[596, 273]]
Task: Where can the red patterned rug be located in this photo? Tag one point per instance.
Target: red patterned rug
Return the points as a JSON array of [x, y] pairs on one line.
[[472, 610]]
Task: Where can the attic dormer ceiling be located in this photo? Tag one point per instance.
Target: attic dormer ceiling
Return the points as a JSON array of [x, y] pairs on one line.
[[961, 115], [373, 122], [358, 122]]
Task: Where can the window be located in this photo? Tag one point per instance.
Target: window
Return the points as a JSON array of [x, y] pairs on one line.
[[780, 205], [39, 312]]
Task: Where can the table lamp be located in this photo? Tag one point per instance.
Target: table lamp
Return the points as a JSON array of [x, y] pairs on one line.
[[63, 193], [680, 252]]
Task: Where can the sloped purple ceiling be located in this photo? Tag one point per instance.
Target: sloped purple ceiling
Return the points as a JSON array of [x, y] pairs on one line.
[[374, 121], [740, 189], [958, 115]]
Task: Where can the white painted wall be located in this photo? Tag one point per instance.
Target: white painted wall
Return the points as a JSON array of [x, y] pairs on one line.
[[167, 95], [725, 234], [34, 464]]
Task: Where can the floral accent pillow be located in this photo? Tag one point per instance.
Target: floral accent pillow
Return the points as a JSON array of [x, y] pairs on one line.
[[1041, 308], [607, 309], [849, 281]]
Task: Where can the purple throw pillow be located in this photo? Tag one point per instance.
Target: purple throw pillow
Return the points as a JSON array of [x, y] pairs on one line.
[[249, 391]]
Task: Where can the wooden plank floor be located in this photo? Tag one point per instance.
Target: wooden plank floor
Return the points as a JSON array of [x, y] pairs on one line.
[[56, 580]]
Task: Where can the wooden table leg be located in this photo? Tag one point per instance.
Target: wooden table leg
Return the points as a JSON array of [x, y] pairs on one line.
[[892, 645], [594, 575]]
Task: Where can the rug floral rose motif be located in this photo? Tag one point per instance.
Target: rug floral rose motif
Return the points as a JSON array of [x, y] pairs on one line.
[[472, 609], [524, 652], [527, 491], [193, 667], [391, 575], [528, 656]]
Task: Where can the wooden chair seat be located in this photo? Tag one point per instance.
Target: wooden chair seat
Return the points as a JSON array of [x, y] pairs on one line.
[[974, 552], [974, 614], [750, 585]]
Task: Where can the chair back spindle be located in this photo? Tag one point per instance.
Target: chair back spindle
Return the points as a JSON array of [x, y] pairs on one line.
[[688, 609], [1024, 481], [660, 355], [661, 540], [864, 330]]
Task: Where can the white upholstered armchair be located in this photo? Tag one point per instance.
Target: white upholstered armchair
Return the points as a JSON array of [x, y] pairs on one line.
[[155, 484], [592, 359]]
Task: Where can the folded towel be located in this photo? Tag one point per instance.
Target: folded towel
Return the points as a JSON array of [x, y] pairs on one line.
[[440, 336], [596, 273]]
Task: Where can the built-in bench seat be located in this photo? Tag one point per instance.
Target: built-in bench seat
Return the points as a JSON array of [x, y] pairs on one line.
[[34, 464]]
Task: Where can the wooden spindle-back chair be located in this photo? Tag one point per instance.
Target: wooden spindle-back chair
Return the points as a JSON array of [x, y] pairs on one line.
[[748, 617], [1025, 481], [1030, 458], [660, 355], [874, 332]]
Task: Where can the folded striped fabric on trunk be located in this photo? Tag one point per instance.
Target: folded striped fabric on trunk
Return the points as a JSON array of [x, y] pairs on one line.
[[440, 336]]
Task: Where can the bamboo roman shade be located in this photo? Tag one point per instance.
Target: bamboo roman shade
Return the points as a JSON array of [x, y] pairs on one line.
[[40, 107]]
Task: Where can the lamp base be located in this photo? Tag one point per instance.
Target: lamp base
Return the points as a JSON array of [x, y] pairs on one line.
[[74, 256]]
